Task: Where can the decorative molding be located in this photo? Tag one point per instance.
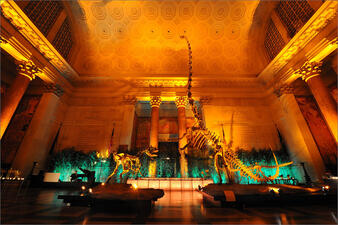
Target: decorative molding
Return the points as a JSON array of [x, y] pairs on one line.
[[3, 40], [18, 19], [53, 88], [309, 70], [324, 48], [324, 15], [13, 47], [28, 69], [129, 100], [160, 82], [149, 82], [181, 101], [283, 89], [155, 101]]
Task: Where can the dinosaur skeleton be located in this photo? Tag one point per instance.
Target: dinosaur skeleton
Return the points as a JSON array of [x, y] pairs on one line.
[[130, 162], [225, 158]]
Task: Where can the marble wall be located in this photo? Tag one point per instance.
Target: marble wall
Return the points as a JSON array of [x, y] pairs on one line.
[[247, 122], [89, 128]]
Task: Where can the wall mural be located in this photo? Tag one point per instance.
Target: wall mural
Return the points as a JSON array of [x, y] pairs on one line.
[[168, 125], [142, 130], [17, 128], [325, 142]]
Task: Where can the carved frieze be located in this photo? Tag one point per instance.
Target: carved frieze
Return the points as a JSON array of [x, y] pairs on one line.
[[324, 15], [129, 100], [283, 89], [53, 88], [18, 19]]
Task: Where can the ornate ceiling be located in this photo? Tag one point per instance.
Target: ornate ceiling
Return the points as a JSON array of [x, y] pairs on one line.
[[141, 38]]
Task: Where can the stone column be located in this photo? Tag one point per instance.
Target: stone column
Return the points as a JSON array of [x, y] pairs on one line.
[[128, 120], [181, 102], [154, 127], [41, 132], [294, 128], [27, 72], [310, 73]]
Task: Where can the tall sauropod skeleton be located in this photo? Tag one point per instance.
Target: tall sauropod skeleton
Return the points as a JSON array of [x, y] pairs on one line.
[[225, 158]]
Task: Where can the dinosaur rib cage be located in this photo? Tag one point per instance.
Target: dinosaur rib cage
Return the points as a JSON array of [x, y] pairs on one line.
[[198, 138]]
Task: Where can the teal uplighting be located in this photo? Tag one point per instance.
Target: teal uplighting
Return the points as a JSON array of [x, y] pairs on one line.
[[69, 160], [204, 168]]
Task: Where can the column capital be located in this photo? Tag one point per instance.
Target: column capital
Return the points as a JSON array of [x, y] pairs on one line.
[[283, 89], [309, 70], [155, 101], [28, 69], [129, 99], [181, 101], [53, 88]]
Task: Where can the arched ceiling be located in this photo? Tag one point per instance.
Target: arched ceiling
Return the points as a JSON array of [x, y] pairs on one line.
[[141, 38]]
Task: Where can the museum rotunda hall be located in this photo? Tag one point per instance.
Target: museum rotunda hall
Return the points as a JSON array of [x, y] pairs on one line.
[[89, 81]]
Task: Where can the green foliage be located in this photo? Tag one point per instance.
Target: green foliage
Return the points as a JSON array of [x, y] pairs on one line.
[[69, 160]]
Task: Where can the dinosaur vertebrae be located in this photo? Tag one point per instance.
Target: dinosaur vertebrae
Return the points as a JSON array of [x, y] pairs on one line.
[[198, 119], [199, 136]]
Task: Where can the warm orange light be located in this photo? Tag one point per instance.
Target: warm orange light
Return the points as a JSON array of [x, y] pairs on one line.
[[134, 186], [98, 155], [83, 188], [275, 190], [326, 51], [152, 168], [13, 52]]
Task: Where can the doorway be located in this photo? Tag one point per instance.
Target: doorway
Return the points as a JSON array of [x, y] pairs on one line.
[[167, 163]]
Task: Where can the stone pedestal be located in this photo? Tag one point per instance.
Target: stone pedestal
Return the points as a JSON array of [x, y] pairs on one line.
[[154, 127], [182, 129], [27, 71], [40, 134]]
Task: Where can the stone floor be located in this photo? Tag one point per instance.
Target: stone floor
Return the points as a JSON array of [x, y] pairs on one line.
[[41, 206]]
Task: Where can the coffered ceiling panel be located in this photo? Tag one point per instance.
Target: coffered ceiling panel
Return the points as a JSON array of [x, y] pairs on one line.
[[142, 38]]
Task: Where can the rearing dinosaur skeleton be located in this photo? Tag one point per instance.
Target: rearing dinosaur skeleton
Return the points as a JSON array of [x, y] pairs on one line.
[[198, 136], [130, 162]]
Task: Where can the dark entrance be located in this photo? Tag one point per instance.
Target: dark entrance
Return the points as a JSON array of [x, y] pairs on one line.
[[168, 161]]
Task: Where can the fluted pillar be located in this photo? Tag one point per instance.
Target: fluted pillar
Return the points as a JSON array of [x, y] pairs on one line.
[[181, 102], [26, 72], [310, 72], [154, 127], [295, 129], [41, 132]]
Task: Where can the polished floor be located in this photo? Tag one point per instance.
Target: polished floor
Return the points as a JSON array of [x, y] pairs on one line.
[[41, 206]]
